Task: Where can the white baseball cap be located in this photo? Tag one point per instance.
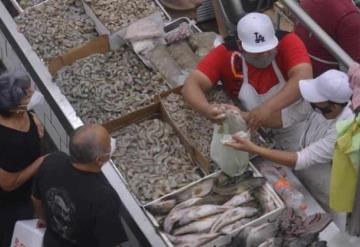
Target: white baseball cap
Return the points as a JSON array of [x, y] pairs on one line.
[[256, 33], [332, 85]]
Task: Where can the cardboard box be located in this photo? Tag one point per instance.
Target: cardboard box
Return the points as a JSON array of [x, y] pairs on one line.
[[156, 110], [177, 90], [102, 29], [98, 45]]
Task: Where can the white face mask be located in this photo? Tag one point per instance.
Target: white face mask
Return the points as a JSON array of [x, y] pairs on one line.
[[260, 62], [36, 99], [112, 146]]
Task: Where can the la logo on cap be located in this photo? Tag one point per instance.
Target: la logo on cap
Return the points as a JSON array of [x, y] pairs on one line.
[[259, 38]]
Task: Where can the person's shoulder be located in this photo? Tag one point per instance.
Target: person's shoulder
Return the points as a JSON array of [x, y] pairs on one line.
[[219, 51], [289, 39], [57, 155], [106, 194], [347, 114], [55, 159]]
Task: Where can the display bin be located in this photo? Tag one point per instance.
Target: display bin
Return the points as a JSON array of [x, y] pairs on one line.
[[222, 240], [263, 138], [155, 111], [102, 29]]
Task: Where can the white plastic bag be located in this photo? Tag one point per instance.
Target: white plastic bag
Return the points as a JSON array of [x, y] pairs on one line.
[[231, 161]]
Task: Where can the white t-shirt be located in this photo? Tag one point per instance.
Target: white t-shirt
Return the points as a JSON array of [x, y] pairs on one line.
[[319, 136]]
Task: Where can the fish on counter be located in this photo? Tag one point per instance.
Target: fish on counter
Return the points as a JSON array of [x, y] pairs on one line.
[[202, 211], [236, 225], [200, 226], [289, 230], [232, 215], [239, 199], [210, 215], [247, 185]]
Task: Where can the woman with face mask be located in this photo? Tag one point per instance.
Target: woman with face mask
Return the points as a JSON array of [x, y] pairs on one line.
[[20, 157], [327, 98]]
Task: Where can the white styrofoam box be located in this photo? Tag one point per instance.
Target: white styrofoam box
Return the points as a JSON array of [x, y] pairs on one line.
[[226, 239], [26, 234]]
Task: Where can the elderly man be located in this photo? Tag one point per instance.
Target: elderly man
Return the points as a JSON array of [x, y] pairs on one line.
[[263, 72], [328, 95], [72, 197]]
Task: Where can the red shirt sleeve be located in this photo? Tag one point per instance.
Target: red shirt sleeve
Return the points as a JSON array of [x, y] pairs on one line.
[[292, 52], [213, 63], [348, 35]]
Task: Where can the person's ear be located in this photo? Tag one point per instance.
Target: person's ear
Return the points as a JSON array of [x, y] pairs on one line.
[[99, 161]]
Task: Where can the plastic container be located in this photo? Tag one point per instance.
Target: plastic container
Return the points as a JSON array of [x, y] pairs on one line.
[[291, 196], [27, 234]]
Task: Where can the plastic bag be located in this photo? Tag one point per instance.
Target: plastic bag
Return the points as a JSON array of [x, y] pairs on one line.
[[149, 27], [231, 161]]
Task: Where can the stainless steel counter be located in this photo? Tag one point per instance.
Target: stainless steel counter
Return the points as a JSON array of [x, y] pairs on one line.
[[61, 119]]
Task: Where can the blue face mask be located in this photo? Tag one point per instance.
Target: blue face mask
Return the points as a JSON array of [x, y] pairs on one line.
[[260, 62]]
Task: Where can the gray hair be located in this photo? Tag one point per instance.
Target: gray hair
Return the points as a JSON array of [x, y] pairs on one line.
[[84, 146], [13, 88]]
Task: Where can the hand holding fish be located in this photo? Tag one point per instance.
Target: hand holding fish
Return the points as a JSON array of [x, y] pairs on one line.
[[241, 143]]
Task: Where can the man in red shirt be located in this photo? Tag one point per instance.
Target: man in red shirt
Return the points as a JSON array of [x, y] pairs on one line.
[[340, 20], [264, 72]]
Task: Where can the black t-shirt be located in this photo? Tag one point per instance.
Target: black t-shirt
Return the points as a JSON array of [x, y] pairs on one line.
[[18, 149], [81, 208]]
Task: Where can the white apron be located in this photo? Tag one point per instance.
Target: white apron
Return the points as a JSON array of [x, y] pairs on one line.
[[285, 138]]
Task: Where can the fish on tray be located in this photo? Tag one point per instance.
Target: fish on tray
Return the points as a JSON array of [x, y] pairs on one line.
[[216, 206], [201, 226], [198, 212], [232, 215]]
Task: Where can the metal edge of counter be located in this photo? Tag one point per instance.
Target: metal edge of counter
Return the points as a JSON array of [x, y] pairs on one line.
[[134, 216]]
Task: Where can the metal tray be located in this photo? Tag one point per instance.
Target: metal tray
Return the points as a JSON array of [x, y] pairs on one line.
[[225, 239]]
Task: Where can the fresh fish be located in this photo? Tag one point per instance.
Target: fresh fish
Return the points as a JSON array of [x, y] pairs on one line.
[[301, 241], [214, 199], [161, 207], [316, 223], [199, 190], [174, 217], [188, 203], [265, 199], [236, 225], [225, 180], [198, 212], [239, 199], [200, 226], [178, 212], [248, 184], [272, 242], [192, 240], [231, 216], [260, 234], [318, 244]]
